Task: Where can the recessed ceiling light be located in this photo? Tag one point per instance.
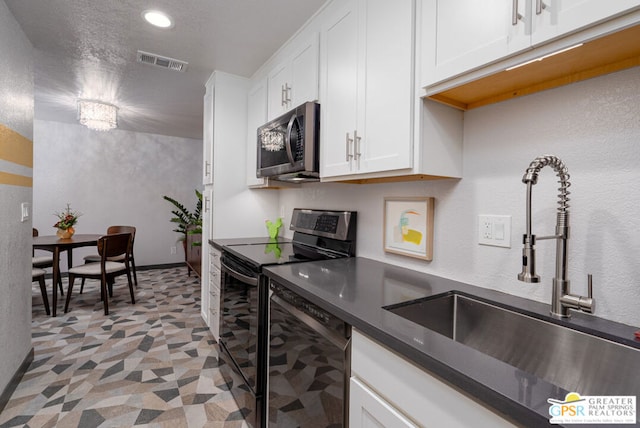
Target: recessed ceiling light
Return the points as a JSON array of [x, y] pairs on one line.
[[157, 18]]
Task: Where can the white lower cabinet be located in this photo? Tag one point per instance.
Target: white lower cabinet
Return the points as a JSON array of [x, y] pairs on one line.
[[214, 292], [367, 409], [205, 248], [389, 391]]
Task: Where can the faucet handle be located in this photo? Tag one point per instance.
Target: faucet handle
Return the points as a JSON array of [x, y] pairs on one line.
[[588, 304]]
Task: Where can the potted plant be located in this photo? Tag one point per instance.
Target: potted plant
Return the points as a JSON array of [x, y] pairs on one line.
[[183, 217]]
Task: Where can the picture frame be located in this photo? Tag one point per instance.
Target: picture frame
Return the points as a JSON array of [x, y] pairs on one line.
[[408, 226]]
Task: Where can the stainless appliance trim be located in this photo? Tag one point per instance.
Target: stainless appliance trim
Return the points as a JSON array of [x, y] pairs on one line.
[[287, 139], [240, 277], [334, 338], [342, 230], [339, 341]]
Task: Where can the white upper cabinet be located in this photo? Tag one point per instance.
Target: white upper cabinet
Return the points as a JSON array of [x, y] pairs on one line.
[[555, 18], [366, 96], [294, 80], [463, 35], [207, 135], [256, 116]]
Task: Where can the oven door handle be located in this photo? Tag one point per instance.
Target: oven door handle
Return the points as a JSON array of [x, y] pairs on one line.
[[252, 281], [331, 336]]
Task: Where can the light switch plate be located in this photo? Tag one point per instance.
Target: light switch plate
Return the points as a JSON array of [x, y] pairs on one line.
[[26, 211], [494, 230]]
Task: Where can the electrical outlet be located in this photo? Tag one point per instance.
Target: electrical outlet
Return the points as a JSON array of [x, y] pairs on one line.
[[494, 230], [486, 227], [173, 250]]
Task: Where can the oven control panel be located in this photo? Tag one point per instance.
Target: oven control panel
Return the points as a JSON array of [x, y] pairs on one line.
[[339, 225]]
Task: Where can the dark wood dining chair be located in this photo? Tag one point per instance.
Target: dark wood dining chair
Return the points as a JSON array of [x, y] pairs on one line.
[[110, 247], [37, 274], [93, 258], [43, 262]]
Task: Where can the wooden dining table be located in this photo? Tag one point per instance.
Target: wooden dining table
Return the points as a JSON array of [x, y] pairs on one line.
[[56, 245]]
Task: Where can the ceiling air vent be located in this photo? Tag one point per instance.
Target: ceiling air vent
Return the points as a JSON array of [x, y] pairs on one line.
[[161, 61]]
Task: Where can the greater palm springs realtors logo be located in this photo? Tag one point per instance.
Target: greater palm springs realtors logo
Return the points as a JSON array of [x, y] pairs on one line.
[[593, 409]]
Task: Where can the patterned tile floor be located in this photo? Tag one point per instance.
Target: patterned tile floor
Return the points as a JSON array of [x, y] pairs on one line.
[[152, 364]]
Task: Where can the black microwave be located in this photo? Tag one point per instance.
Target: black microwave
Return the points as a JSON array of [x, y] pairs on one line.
[[288, 145]]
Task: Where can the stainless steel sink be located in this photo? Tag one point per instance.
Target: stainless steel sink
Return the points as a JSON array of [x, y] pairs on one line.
[[568, 358]]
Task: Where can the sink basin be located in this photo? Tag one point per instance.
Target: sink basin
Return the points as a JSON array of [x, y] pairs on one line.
[[568, 358]]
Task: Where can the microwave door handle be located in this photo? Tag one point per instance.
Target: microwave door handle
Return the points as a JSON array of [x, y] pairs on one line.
[[287, 139]]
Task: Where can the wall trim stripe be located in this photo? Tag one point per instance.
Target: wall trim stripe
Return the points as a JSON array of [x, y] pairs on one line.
[[15, 147], [15, 179]]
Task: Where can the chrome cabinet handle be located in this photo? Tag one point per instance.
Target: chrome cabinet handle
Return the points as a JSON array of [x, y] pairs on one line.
[[287, 94], [207, 168], [283, 95], [515, 16], [206, 204], [539, 6], [347, 145], [356, 140]]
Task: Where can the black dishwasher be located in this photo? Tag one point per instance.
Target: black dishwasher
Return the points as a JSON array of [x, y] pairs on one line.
[[309, 363]]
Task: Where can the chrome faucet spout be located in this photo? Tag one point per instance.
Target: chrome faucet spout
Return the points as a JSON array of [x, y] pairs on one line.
[[562, 299]]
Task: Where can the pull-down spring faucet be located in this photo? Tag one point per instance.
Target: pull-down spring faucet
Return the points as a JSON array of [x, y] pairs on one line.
[[561, 300]]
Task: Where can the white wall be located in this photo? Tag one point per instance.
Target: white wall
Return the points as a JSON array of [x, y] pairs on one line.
[[115, 178], [594, 126], [16, 114]]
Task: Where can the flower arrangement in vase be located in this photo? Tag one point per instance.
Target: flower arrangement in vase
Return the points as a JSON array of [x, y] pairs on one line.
[[66, 220]]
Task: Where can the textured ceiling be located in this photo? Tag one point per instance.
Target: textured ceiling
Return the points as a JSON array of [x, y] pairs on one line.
[[87, 49]]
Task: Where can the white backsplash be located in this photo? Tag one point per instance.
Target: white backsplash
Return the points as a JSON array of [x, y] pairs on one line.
[[594, 127]]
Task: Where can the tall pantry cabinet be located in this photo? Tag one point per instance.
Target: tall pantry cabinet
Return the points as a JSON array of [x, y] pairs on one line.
[[225, 111], [230, 208]]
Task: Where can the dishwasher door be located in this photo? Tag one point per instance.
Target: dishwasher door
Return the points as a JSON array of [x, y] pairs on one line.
[[309, 363]]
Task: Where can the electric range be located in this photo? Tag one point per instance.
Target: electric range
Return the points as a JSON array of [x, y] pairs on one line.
[[318, 235]]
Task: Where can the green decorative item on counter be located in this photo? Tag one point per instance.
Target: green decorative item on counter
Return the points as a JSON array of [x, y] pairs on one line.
[[274, 248], [274, 227]]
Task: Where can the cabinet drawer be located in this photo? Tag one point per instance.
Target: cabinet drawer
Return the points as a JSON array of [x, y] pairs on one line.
[[214, 279], [214, 257], [413, 391], [367, 409]]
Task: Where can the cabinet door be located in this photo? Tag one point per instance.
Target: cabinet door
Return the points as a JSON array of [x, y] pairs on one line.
[[554, 18], [304, 73], [256, 116], [279, 89], [461, 35], [207, 137], [386, 86], [214, 293], [339, 52], [207, 216], [368, 410], [294, 81]]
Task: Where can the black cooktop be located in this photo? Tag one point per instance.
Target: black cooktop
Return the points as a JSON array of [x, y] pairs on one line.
[[259, 255], [318, 235], [277, 253]]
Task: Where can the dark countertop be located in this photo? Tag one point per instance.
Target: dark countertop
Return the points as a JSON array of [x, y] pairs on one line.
[[356, 289]]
